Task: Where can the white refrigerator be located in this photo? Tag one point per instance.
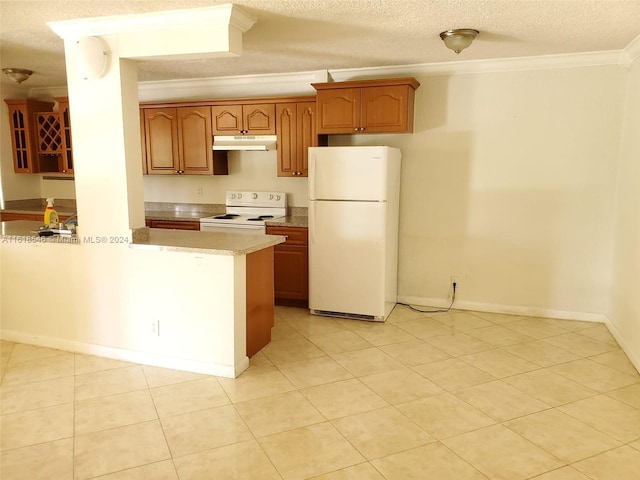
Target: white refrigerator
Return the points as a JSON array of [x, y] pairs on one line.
[[353, 231]]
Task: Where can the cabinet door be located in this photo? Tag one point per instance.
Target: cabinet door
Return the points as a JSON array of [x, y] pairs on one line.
[[195, 140], [291, 272], [287, 139], [49, 133], [338, 110], [259, 119], [291, 266], [161, 140], [23, 132], [65, 125], [143, 146], [385, 109], [227, 119], [307, 134]]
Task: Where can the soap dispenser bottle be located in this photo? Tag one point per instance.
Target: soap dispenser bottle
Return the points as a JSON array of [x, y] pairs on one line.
[[50, 215]]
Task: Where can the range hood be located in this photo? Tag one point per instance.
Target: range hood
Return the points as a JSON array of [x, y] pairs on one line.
[[244, 142]]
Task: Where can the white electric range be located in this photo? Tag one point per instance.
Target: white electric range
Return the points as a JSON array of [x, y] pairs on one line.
[[247, 212]]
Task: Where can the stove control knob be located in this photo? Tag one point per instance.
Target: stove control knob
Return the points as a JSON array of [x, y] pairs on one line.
[[278, 197], [233, 195], [239, 196], [271, 197], [254, 195]]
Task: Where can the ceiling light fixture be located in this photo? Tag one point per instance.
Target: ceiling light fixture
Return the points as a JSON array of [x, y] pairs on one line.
[[458, 39], [18, 75]]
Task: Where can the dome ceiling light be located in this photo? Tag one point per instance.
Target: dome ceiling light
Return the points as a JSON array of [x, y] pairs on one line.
[[458, 39], [18, 75]]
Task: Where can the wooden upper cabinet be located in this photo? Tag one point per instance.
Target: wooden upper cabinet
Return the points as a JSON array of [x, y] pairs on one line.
[[49, 133], [339, 110], [297, 132], [161, 140], [53, 132], [66, 160], [368, 106], [179, 141], [250, 119], [195, 147], [287, 139], [24, 132]]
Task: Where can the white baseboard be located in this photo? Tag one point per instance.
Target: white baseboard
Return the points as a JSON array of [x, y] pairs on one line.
[[153, 359], [508, 309], [633, 357]]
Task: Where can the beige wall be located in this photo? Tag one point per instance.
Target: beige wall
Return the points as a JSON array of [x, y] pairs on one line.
[[508, 183], [624, 313], [247, 171]]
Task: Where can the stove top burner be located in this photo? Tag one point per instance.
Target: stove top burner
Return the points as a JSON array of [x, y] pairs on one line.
[[226, 216], [260, 218]]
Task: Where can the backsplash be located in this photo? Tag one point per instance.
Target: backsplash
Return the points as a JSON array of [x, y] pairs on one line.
[[67, 204], [207, 208]]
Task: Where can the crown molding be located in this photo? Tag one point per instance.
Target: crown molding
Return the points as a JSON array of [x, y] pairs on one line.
[[542, 62], [632, 51], [232, 87], [299, 83]]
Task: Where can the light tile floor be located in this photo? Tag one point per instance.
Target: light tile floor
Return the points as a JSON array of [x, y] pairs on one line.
[[460, 396]]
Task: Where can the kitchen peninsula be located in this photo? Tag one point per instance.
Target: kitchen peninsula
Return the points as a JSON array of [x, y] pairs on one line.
[[194, 301]]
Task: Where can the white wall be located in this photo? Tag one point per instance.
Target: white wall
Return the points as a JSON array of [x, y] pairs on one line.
[[50, 297], [624, 313]]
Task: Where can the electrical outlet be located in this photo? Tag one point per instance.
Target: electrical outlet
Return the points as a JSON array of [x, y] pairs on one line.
[[199, 190], [454, 279], [155, 327]]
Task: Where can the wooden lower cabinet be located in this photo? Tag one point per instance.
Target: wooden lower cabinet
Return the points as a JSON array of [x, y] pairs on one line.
[[173, 224], [260, 306], [34, 217], [291, 266]]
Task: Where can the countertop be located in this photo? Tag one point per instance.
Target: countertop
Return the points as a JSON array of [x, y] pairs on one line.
[[25, 231], [289, 221], [211, 243], [191, 216]]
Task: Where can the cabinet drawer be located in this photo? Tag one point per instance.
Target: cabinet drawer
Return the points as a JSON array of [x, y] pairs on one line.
[[175, 225], [295, 235]]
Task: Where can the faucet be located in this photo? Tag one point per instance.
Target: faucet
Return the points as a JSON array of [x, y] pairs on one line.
[[72, 221]]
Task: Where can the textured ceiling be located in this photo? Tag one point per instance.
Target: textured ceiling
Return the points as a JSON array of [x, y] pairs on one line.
[[306, 35]]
